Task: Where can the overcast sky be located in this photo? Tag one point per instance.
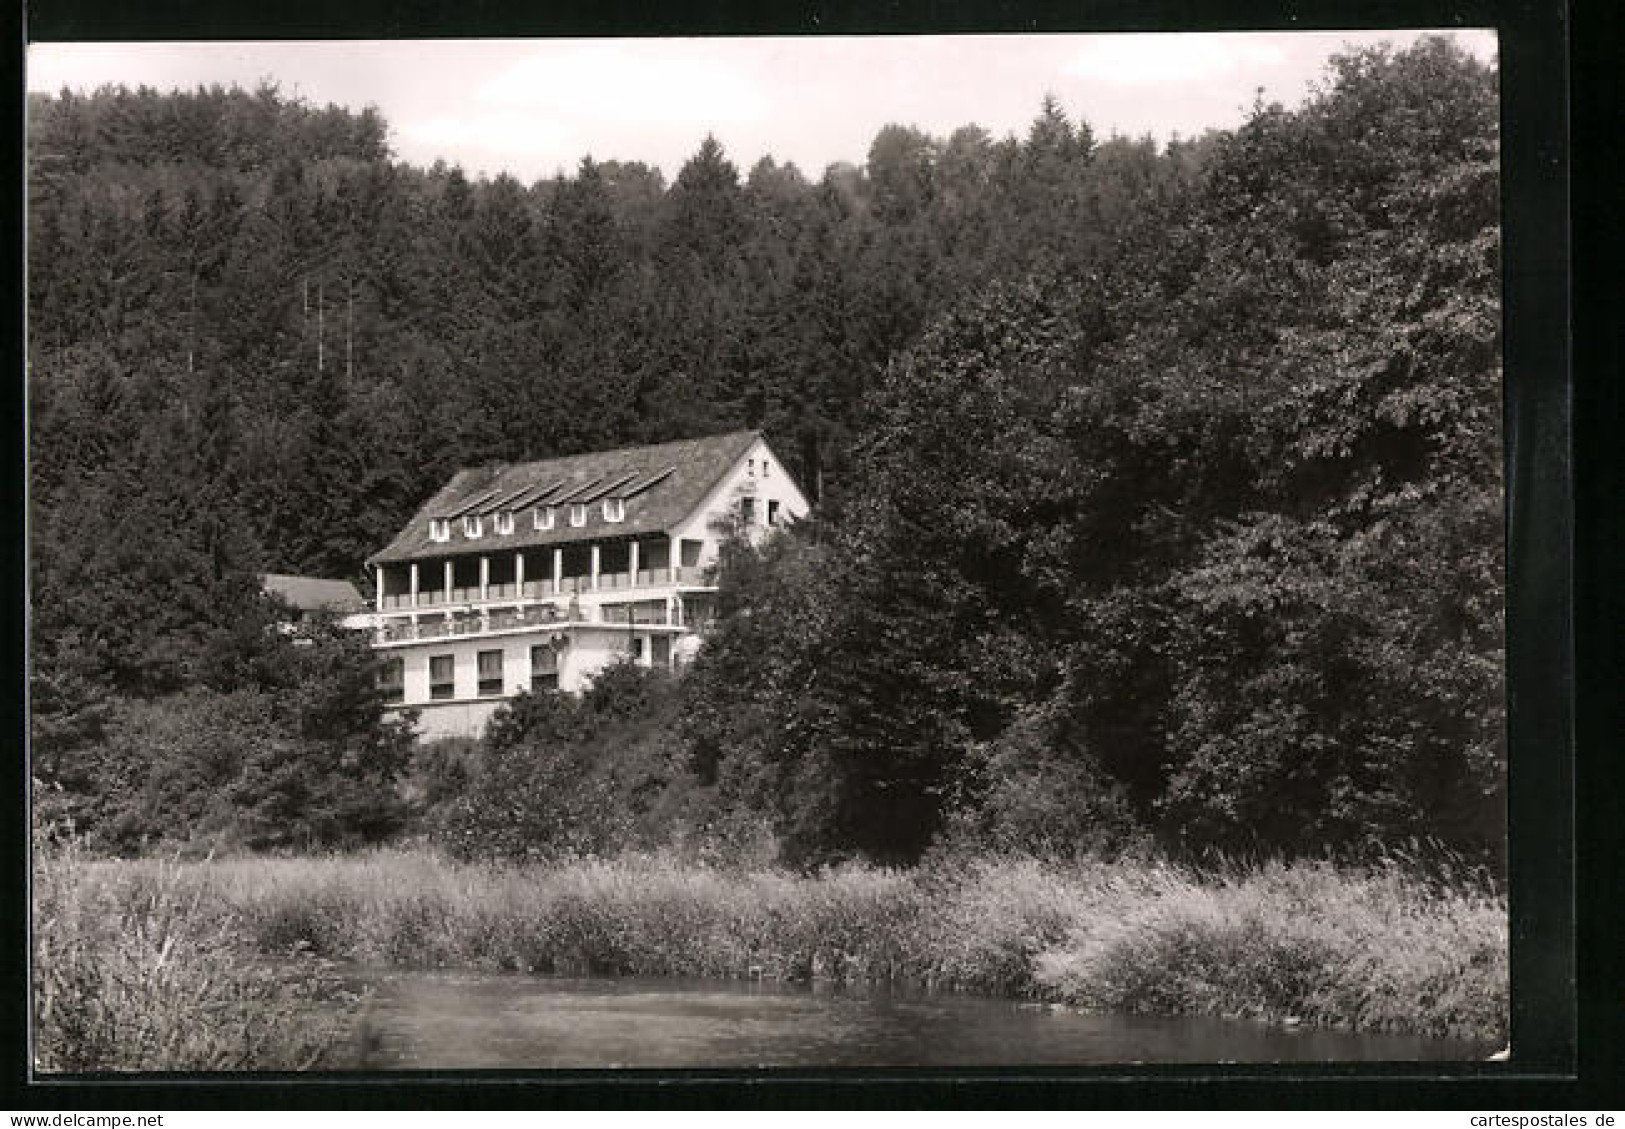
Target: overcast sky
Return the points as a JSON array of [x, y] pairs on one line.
[[535, 107]]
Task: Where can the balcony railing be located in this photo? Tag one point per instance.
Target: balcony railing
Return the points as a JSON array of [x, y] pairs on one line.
[[651, 613], [543, 588], [428, 629]]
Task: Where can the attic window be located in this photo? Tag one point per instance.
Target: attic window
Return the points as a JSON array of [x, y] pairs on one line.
[[578, 514], [472, 526], [504, 521], [614, 509], [545, 516], [439, 529], [750, 466], [767, 469]]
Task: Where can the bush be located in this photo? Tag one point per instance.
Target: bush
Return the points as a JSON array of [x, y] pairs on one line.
[[308, 760], [1038, 794], [557, 776]]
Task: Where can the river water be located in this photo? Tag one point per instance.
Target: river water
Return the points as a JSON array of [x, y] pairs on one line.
[[474, 1020]]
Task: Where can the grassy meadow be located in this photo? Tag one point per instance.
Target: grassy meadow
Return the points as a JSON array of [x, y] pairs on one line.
[[124, 947]]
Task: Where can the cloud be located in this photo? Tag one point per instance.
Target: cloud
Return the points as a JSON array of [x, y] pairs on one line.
[[1140, 60], [499, 132], [609, 82]]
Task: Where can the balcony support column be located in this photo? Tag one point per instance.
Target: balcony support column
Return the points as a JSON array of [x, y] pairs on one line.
[[558, 569], [519, 574], [415, 584], [632, 564], [447, 582], [485, 579], [595, 566], [378, 588]]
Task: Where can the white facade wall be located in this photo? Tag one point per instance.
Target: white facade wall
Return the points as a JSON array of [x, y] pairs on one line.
[[757, 475], [589, 649], [515, 664], [591, 646], [455, 719]]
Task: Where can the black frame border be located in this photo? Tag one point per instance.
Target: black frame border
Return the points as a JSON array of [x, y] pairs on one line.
[[1552, 1065]]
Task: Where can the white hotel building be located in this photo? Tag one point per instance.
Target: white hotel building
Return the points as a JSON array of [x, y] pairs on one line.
[[537, 575]]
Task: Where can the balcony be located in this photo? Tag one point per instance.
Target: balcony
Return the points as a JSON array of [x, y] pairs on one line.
[[543, 589], [645, 613]]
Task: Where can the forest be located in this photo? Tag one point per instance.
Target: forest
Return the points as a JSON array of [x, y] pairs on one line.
[[1159, 486]]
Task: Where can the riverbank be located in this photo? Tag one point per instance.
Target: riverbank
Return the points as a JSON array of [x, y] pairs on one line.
[[136, 969], [1374, 950]]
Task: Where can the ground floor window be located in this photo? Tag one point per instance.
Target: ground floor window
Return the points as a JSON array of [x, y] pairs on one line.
[[544, 668], [392, 680], [490, 672], [442, 676]]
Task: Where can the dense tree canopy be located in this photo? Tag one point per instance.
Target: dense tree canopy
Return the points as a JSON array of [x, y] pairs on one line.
[[1159, 485], [1204, 544]]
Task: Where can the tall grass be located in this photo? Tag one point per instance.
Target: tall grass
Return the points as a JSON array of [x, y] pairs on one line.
[[1370, 949], [135, 969], [1376, 950]]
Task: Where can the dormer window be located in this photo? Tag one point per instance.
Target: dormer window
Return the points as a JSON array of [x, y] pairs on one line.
[[545, 516], [439, 529], [578, 514], [504, 521], [614, 509], [472, 526]]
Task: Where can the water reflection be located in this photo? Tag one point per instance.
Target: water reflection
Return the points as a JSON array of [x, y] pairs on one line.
[[446, 1020]]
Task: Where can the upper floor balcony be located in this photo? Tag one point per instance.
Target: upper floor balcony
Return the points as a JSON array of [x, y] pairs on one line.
[[539, 574], [671, 612], [509, 590]]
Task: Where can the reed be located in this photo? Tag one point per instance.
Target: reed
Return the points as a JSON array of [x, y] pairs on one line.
[[1376, 948], [138, 969]]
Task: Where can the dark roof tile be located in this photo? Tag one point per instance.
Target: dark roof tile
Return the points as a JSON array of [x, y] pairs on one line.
[[695, 465]]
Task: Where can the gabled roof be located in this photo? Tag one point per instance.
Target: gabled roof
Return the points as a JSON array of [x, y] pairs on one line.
[[313, 594], [693, 466]]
